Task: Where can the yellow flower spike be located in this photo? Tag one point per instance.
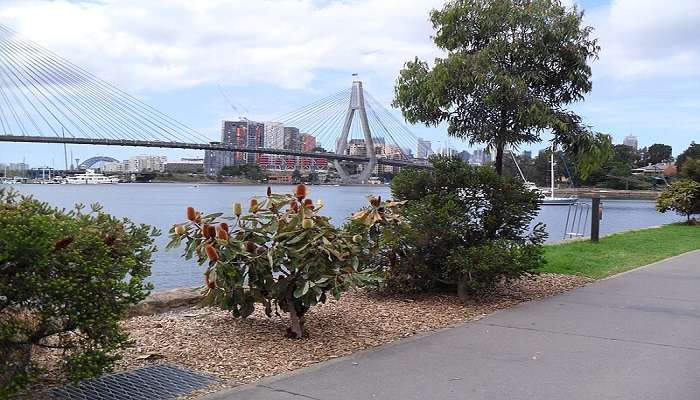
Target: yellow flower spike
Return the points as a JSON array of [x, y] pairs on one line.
[[237, 209]]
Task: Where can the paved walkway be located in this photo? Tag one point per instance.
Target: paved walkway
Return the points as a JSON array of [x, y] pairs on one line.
[[635, 336]]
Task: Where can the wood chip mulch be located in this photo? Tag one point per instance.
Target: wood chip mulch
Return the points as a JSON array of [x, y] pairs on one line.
[[243, 351]]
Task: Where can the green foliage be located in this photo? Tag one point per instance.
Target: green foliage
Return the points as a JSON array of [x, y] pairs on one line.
[[693, 151], [249, 171], [658, 153], [467, 228], [691, 169], [282, 254], [682, 196], [511, 67], [66, 279]]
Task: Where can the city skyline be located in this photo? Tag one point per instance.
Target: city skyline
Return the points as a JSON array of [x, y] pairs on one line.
[[641, 90]]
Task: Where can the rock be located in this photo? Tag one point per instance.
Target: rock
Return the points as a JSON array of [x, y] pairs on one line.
[[167, 300]]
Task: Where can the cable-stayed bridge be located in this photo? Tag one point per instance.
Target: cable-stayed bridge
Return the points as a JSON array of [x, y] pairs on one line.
[[45, 98]]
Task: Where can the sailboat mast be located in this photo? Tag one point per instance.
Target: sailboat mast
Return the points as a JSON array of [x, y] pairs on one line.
[[551, 161]]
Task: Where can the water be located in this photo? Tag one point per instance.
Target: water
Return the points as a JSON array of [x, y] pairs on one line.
[[163, 205]]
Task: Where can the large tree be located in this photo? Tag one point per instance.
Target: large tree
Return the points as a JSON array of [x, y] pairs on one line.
[[659, 153], [511, 67], [693, 151]]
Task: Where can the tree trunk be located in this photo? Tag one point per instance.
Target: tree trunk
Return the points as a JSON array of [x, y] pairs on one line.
[[462, 290], [296, 319], [499, 157]]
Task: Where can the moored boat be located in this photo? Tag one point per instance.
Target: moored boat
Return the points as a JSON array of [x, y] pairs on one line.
[[90, 177]]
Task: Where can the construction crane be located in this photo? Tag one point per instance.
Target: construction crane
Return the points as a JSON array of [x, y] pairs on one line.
[[242, 115]]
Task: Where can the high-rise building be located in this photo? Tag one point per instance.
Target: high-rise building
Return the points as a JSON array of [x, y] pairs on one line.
[[308, 142], [424, 148], [274, 135], [146, 163], [448, 152], [357, 147], [291, 138], [243, 133], [631, 141], [215, 160], [527, 154]]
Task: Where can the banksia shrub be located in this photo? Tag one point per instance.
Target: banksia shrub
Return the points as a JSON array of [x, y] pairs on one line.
[[282, 232]]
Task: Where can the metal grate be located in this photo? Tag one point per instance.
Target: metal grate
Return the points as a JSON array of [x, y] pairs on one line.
[[155, 382]]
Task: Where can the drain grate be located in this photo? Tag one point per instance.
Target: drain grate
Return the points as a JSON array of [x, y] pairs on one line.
[[160, 381]]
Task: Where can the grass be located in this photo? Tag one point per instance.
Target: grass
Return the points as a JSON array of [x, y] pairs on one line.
[[620, 252]]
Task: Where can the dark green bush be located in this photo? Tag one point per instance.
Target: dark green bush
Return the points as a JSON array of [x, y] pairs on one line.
[[66, 279], [467, 228]]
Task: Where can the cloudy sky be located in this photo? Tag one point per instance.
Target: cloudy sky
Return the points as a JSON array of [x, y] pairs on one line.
[[275, 56]]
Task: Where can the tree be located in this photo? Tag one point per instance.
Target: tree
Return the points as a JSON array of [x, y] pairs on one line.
[[511, 68], [66, 280], [659, 153], [691, 169], [682, 196], [625, 154], [282, 254], [693, 151]]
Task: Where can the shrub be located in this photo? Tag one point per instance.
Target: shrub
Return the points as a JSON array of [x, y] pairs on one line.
[[282, 254], [467, 228], [66, 279], [682, 196]]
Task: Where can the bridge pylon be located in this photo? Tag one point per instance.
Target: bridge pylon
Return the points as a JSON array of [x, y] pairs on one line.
[[356, 106]]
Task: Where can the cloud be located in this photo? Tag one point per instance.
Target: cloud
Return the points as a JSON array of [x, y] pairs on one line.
[[174, 44], [647, 39]]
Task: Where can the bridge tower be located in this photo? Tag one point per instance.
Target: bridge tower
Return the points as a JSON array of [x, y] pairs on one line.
[[356, 106]]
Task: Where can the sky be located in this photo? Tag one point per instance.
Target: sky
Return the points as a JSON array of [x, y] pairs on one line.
[[271, 57]]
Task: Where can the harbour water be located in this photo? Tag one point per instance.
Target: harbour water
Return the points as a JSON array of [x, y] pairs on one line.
[[163, 205]]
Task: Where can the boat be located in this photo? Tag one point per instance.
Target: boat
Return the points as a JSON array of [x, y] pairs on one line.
[[548, 198], [90, 177]]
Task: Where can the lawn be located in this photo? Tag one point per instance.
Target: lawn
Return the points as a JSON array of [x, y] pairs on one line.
[[621, 252]]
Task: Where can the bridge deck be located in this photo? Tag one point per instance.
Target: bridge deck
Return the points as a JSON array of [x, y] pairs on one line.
[[203, 146]]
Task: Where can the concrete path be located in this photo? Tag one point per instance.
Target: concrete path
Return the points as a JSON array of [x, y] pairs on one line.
[[635, 336]]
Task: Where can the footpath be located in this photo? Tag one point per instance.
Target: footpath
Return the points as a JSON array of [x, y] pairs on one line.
[[633, 336]]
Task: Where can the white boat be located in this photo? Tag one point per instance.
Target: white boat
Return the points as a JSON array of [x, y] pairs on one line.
[[548, 199], [90, 177]]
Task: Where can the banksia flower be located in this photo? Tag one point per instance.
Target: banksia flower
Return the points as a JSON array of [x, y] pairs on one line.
[[308, 203], [253, 205], [223, 226], [269, 191], [375, 201], [307, 223], [212, 231], [180, 229], [198, 217], [357, 238], [63, 243], [222, 232], [211, 252], [237, 209], [206, 231], [294, 206], [300, 192], [191, 214], [109, 239]]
